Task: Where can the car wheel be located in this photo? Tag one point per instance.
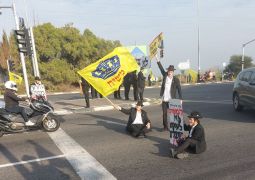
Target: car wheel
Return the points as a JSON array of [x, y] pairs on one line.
[[236, 103]]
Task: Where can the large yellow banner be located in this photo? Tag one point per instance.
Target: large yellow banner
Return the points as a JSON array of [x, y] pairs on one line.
[[106, 75], [14, 77], [154, 45]]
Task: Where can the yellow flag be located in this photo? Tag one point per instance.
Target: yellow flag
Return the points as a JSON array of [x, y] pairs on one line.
[[154, 45], [106, 74], [14, 77]]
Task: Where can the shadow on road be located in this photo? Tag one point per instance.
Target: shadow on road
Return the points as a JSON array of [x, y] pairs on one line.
[[49, 169], [115, 125]]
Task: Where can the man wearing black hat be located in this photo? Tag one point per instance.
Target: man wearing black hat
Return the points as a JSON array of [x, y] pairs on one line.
[[195, 141], [138, 122], [170, 85]]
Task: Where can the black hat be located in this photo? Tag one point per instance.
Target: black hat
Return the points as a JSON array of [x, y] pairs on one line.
[[171, 68], [139, 103], [37, 78], [195, 114]]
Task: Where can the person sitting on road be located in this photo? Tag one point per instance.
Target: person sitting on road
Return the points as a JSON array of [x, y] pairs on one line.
[[195, 142], [12, 99], [138, 122]]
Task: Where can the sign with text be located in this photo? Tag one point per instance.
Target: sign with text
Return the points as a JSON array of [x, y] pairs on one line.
[[175, 121], [155, 44]]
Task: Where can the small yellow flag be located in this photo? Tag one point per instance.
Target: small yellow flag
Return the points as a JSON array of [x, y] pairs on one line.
[[106, 75], [14, 77]]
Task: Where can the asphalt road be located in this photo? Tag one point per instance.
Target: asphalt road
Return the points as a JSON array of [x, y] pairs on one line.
[[229, 135]]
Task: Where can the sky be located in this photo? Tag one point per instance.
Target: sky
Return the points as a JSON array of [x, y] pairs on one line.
[[224, 24]]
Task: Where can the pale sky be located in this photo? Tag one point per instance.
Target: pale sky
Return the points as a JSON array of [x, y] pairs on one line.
[[224, 24]]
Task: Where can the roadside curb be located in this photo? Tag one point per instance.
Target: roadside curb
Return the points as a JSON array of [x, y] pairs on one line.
[[95, 109]]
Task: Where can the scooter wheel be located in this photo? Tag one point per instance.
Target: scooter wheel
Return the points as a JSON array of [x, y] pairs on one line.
[[50, 124]]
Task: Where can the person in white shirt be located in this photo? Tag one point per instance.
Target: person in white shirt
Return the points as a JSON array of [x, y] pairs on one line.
[[138, 122], [170, 85]]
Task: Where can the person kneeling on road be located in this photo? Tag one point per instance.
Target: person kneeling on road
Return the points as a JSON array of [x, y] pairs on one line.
[[195, 142], [12, 99], [138, 122]]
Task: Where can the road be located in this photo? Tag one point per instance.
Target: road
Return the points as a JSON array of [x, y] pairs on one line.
[[229, 135]]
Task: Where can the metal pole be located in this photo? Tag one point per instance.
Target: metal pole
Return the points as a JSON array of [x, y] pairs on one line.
[[198, 42], [243, 51], [34, 57], [22, 58], [243, 57]]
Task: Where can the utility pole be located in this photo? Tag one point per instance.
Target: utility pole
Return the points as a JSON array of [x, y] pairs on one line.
[[198, 43]]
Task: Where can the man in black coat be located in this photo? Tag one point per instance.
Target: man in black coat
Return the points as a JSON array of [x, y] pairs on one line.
[[130, 79], [138, 121], [195, 141], [140, 85], [170, 85]]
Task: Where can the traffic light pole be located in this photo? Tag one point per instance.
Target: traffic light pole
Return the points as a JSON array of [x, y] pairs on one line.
[[22, 57]]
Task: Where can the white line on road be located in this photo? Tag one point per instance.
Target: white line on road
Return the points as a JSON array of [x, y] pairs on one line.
[[30, 161], [210, 102], [85, 165]]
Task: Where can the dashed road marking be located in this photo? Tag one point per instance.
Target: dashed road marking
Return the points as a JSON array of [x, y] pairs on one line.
[[31, 161]]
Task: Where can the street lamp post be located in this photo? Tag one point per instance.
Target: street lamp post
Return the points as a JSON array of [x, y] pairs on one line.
[[198, 43], [243, 52]]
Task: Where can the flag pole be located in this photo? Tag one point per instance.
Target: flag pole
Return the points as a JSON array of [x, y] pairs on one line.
[[114, 105]]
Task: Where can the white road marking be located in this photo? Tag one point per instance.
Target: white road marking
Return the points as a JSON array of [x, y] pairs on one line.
[[210, 102], [85, 165], [31, 161]]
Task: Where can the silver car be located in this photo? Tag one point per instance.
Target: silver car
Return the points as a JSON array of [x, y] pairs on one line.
[[244, 90]]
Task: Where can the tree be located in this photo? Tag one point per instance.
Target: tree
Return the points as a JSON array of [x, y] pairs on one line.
[[235, 64]]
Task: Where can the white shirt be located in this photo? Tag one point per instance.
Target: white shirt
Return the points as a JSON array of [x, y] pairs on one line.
[[191, 131], [138, 118], [167, 93]]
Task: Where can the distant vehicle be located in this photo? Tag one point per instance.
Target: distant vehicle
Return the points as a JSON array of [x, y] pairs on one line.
[[244, 90]]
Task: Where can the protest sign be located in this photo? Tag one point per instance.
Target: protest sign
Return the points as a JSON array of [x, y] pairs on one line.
[[175, 121], [154, 45]]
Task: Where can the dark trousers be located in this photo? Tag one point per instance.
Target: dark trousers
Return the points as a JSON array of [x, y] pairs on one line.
[[86, 97], [117, 94], [127, 89], [165, 106], [19, 110], [140, 93], [188, 143], [136, 129]]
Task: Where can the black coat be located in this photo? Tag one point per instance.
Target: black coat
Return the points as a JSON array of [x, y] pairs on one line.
[[176, 86], [198, 134], [132, 115], [141, 80], [12, 99]]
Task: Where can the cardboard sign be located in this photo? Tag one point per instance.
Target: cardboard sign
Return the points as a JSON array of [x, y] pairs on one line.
[[154, 45], [175, 121]]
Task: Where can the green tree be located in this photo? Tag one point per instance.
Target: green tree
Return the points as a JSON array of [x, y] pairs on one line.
[[235, 64]]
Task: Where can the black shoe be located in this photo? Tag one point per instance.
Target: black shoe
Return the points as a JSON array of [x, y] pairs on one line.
[[127, 99], [87, 107]]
